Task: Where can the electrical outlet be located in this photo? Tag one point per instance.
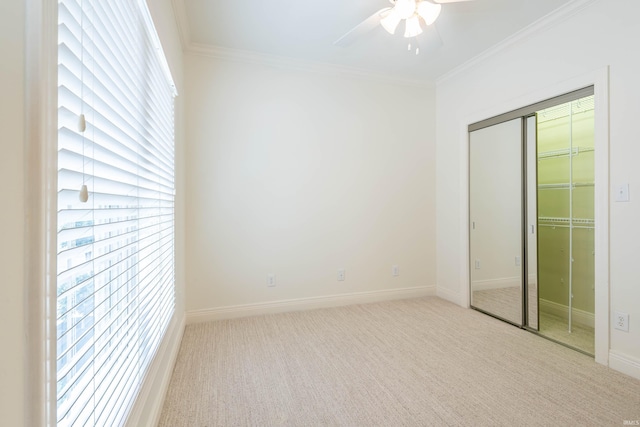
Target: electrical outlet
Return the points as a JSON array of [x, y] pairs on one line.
[[271, 280], [341, 274], [477, 264], [621, 321], [395, 270]]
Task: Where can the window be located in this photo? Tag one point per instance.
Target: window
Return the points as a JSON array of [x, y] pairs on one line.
[[115, 252]]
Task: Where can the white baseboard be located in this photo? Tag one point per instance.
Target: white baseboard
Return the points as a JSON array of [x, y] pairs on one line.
[[626, 364], [580, 317], [499, 283], [245, 310], [451, 296], [147, 408]]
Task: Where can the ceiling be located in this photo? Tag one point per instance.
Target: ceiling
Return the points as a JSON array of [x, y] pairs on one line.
[[305, 31]]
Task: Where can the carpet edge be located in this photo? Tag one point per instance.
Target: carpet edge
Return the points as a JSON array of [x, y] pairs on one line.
[[282, 306]]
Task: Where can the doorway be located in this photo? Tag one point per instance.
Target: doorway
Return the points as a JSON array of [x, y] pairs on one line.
[[531, 211]]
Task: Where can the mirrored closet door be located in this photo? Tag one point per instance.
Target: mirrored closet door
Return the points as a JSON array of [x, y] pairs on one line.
[[495, 212]]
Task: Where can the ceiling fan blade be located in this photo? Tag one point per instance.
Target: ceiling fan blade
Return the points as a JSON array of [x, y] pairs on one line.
[[362, 28]]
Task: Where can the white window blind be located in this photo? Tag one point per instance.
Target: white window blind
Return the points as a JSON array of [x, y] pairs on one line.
[[115, 262]]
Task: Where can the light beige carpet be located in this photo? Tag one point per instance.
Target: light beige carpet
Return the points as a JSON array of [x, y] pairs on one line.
[[420, 362]]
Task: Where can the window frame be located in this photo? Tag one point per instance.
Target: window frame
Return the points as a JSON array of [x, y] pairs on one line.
[[40, 232]]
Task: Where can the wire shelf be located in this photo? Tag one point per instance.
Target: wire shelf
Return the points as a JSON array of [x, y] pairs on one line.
[[561, 222], [564, 152]]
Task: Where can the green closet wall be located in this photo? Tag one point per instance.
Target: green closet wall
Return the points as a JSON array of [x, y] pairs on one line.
[[559, 128]]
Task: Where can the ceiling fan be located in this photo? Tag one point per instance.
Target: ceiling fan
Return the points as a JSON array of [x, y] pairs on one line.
[[411, 11]]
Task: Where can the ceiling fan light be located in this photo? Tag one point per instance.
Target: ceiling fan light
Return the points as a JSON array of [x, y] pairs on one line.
[[405, 8], [429, 11], [390, 21], [412, 27]]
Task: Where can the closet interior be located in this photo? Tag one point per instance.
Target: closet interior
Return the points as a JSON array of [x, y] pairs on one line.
[[565, 182]]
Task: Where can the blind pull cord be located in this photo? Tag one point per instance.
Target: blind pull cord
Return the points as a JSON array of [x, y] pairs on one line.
[[82, 123]]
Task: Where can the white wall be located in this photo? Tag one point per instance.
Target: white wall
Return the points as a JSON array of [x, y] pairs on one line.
[[605, 33], [299, 174], [12, 370]]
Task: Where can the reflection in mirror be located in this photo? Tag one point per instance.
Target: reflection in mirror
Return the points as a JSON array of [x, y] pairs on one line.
[[495, 213]]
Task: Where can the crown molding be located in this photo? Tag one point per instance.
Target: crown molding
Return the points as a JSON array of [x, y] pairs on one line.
[[294, 64], [288, 63], [563, 13]]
